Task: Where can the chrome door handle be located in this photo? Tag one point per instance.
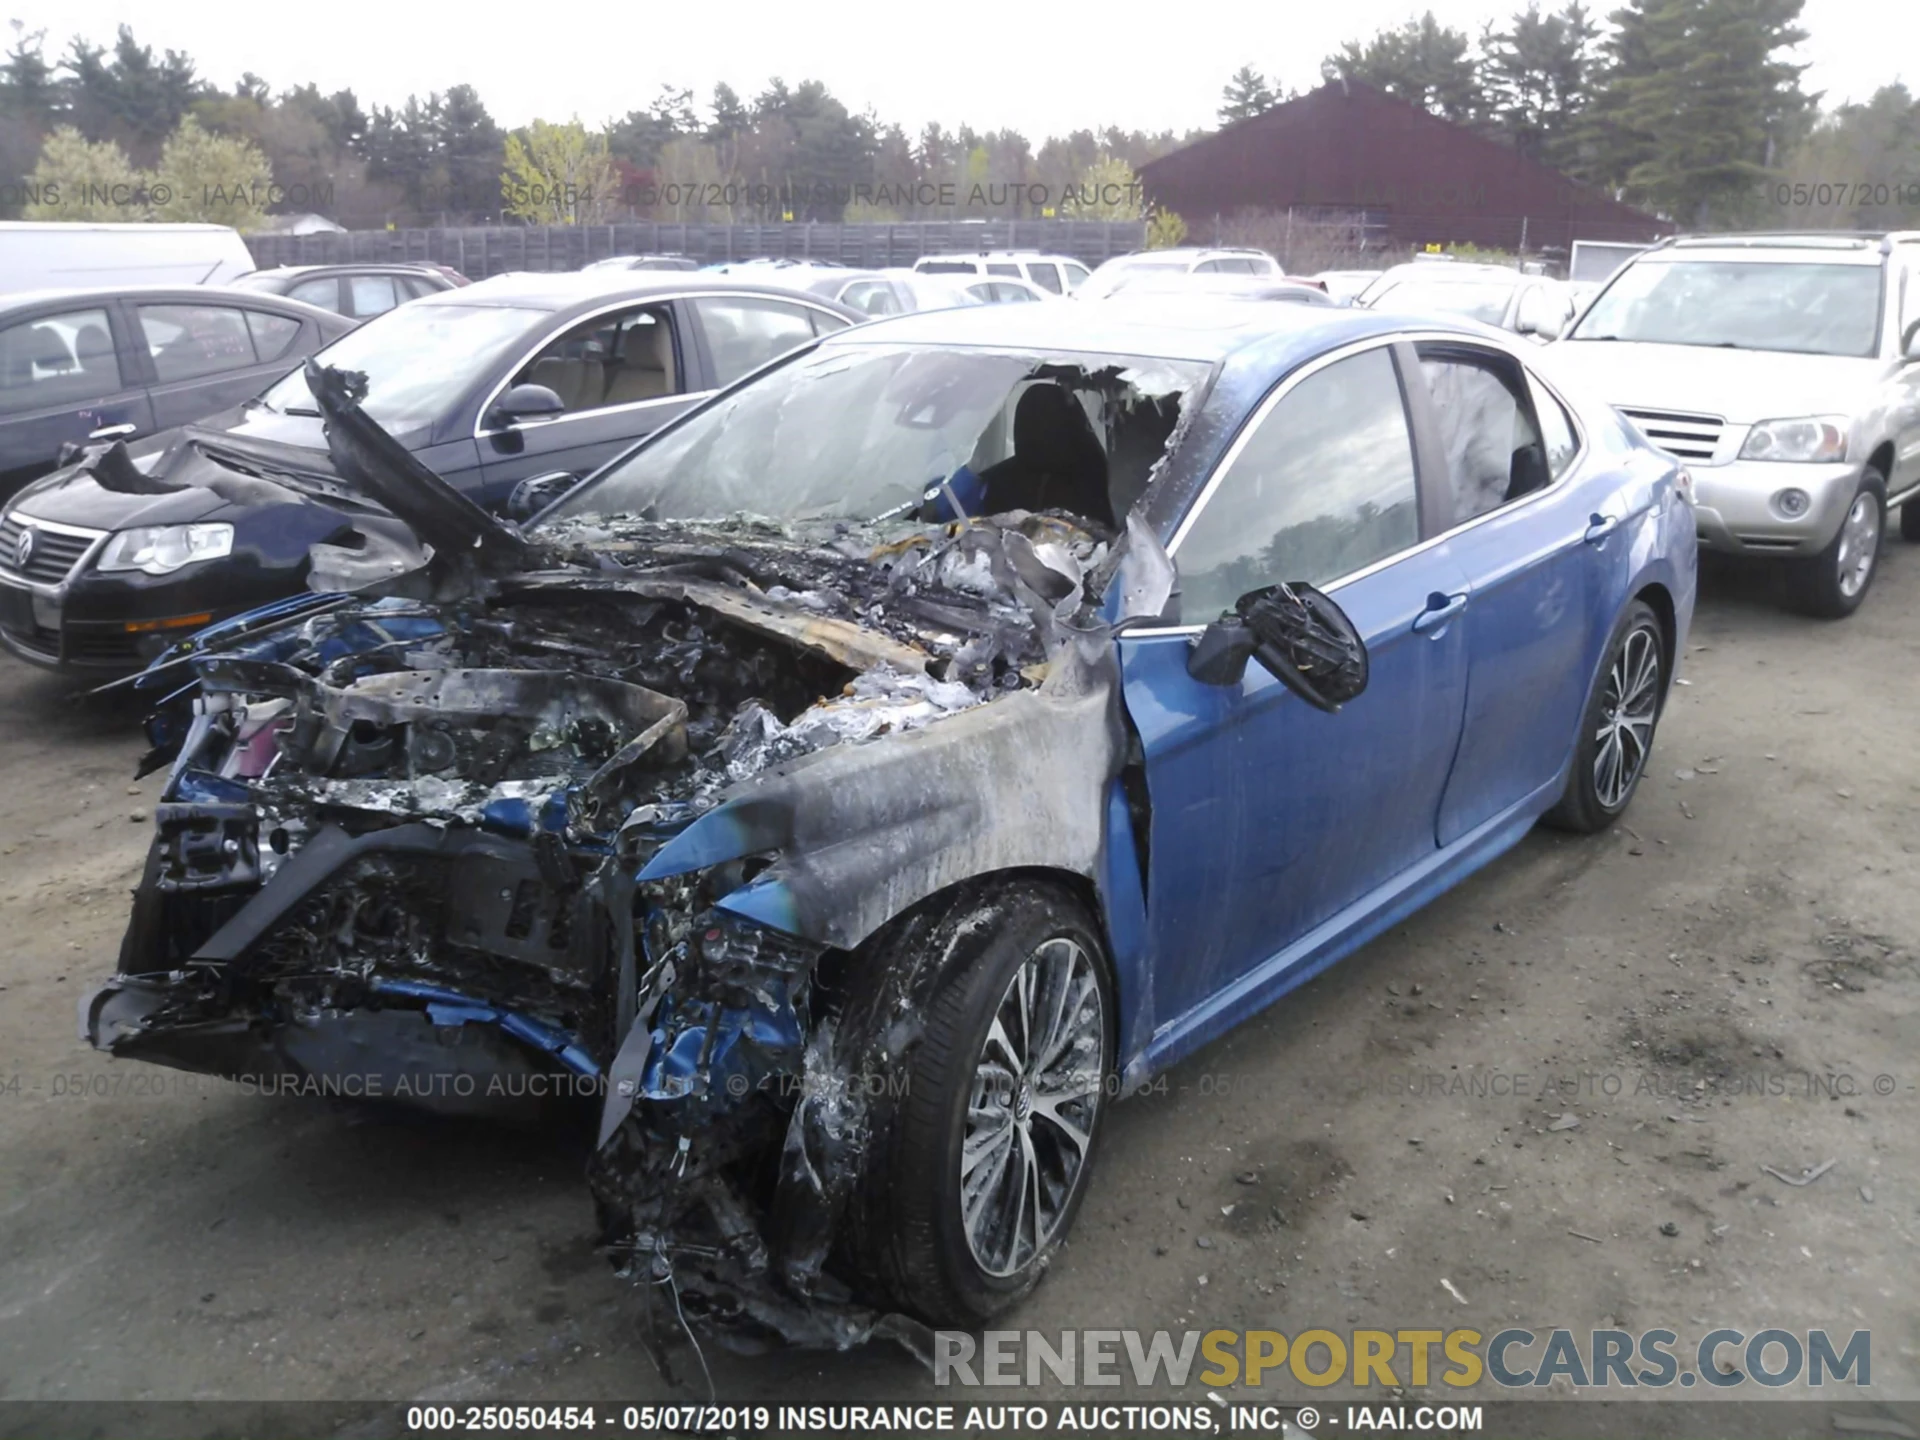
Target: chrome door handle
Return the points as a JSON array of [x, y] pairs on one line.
[[1599, 527], [1435, 616], [114, 432]]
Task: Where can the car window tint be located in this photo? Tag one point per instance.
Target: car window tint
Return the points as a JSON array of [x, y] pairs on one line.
[[1045, 275], [273, 335], [57, 360], [1012, 294], [1322, 487], [1493, 448], [745, 333], [1075, 274], [416, 286], [324, 293], [825, 322], [615, 359], [372, 294], [1209, 267], [1004, 269], [188, 341]]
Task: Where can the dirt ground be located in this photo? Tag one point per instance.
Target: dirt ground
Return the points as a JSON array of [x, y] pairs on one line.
[[1752, 924]]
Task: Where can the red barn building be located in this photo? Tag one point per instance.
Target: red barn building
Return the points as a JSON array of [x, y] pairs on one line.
[[1351, 150]]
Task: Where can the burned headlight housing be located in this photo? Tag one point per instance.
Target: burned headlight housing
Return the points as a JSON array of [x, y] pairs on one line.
[[163, 549]]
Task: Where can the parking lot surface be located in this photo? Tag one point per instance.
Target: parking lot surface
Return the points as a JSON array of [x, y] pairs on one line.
[[1721, 987]]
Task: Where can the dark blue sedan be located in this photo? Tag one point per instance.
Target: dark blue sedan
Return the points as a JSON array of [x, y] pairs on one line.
[[870, 776]]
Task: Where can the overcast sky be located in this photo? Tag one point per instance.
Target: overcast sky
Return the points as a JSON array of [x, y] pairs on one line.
[[1042, 69]]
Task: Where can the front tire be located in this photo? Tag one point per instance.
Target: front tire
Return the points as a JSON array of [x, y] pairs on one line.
[[1616, 729], [980, 1168], [1831, 585]]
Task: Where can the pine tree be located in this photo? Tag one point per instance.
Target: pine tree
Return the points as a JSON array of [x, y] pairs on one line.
[[1535, 75], [1246, 95], [1423, 62], [1695, 106]]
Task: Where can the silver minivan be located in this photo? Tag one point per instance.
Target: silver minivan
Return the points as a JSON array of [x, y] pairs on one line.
[[1785, 371]]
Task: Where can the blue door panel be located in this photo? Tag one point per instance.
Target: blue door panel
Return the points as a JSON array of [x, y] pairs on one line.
[[1268, 816]]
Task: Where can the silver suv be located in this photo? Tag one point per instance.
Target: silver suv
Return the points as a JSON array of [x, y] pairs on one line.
[[1785, 371]]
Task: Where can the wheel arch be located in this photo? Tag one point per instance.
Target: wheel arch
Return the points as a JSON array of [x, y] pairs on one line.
[[1659, 599]]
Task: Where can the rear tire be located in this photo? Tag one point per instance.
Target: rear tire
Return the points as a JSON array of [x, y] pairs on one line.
[[1831, 585], [1018, 1106], [1616, 728]]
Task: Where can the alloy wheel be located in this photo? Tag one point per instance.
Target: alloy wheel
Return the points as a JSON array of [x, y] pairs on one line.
[[1036, 1089], [1859, 544], [1627, 707]]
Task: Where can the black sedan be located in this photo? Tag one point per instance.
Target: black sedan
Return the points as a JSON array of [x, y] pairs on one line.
[[358, 292], [522, 377], [79, 365]]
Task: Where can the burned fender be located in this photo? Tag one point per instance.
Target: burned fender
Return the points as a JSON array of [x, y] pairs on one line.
[[860, 833]]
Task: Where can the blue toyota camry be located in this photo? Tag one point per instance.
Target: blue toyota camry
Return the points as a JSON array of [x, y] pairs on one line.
[[867, 779]]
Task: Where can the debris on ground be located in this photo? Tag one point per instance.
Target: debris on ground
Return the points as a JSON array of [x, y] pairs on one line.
[[1806, 1177]]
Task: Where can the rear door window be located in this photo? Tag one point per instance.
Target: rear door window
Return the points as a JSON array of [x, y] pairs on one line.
[[998, 268], [1076, 274], [1321, 487], [273, 335], [1481, 406], [875, 297], [64, 359], [745, 332], [1044, 274], [189, 341], [324, 293], [372, 294]]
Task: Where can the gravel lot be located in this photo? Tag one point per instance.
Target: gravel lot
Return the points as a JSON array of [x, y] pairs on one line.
[[1681, 978]]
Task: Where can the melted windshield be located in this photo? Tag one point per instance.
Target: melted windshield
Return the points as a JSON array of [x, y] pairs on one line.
[[866, 432], [1810, 308]]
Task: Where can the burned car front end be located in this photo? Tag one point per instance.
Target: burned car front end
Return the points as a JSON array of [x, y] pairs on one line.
[[647, 807]]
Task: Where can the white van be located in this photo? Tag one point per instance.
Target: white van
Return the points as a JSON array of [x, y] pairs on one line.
[[78, 255]]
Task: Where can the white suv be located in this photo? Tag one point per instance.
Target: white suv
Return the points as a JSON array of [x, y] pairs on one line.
[[1181, 261], [1055, 274], [1785, 371]]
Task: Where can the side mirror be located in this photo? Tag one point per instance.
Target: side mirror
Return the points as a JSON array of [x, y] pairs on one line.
[[1298, 635], [536, 492], [528, 402], [1539, 316]]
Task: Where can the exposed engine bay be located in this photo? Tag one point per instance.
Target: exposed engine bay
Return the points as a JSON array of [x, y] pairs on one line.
[[629, 806]]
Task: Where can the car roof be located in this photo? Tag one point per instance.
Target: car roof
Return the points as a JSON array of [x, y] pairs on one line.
[[559, 290], [1164, 327], [1450, 274], [178, 294], [1831, 249]]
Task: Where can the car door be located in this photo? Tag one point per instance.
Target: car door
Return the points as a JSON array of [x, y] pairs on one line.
[[205, 357], [64, 376], [1532, 536], [620, 374], [1269, 817]]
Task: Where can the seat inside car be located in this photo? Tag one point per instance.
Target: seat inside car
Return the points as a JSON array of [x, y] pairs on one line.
[[645, 368], [93, 347], [1057, 463]]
